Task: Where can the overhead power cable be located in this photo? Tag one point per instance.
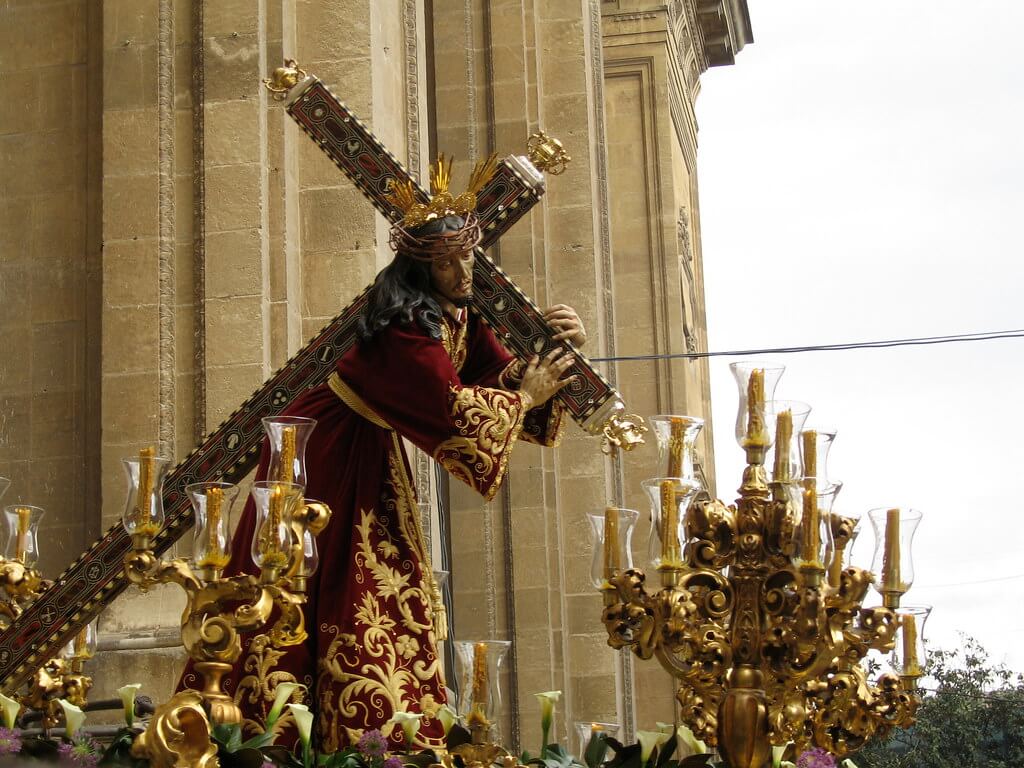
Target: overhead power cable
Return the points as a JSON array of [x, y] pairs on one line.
[[883, 344]]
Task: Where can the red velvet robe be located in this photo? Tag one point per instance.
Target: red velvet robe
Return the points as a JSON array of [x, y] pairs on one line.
[[372, 650]]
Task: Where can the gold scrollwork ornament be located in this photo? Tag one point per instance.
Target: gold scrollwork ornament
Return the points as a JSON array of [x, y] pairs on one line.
[[178, 735]]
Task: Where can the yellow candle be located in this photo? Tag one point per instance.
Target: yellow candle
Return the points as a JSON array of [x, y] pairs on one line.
[[214, 557], [810, 438], [669, 524], [783, 434], [911, 664], [611, 542], [214, 499], [756, 432], [891, 558], [835, 568], [675, 448], [82, 641], [144, 502], [287, 455], [478, 695], [273, 557], [24, 518], [811, 526]]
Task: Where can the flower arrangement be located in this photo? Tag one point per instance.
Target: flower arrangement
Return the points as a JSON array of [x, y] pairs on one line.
[[667, 747]]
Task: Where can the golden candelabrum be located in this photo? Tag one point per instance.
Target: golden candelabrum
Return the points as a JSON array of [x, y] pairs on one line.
[[759, 616], [21, 582], [62, 677], [220, 609]]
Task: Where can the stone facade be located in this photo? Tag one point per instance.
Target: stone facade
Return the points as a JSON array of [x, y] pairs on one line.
[[168, 238]]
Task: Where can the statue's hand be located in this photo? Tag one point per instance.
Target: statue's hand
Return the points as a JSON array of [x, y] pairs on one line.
[[563, 319]]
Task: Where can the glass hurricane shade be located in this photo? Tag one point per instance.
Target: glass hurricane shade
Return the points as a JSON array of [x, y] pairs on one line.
[[612, 536], [441, 578], [670, 498], [22, 526], [271, 546], [786, 464], [813, 543], [586, 730], [742, 372], [893, 564], [909, 655], [676, 437], [822, 440], [211, 539], [478, 667], [83, 646], [144, 508], [287, 437], [310, 554]]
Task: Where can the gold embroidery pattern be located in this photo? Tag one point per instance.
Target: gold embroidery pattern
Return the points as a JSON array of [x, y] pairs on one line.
[[544, 428], [488, 422], [511, 375], [258, 688], [388, 662], [455, 345]]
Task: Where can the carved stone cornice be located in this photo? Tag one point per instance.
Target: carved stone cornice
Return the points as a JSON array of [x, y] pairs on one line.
[[713, 31], [725, 28]]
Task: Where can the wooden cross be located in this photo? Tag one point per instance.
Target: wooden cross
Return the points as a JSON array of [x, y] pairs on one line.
[[96, 578]]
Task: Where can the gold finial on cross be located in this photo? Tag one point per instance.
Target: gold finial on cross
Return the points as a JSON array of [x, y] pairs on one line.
[[547, 153], [283, 79]]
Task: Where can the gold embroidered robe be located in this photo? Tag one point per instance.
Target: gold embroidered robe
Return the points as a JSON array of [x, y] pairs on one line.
[[372, 649]]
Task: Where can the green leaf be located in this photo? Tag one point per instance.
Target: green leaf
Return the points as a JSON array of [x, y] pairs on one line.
[[625, 756], [596, 750], [666, 750], [242, 758], [259, 741], [456, 736], [228, 736]]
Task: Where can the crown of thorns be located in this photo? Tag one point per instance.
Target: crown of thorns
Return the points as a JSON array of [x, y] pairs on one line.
[[415, 213]]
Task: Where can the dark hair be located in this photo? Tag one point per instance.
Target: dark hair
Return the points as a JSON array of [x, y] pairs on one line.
[[402, 290]]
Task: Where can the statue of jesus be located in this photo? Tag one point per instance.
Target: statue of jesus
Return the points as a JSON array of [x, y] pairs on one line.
[[428, 370]]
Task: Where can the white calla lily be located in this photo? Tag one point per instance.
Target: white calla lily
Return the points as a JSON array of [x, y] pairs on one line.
[[447, 716], [690, 740], [303, 722], [547, 715], [685, 737], [547, 707], [649, 741], [127, 694], [74, 718], [847, 763], [409, 723], [11, 708], [282, 695]]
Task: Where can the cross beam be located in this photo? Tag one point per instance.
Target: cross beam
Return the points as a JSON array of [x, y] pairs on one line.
[[93, 580]]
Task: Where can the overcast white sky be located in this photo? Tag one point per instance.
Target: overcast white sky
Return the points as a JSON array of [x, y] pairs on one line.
[[861, 172]]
